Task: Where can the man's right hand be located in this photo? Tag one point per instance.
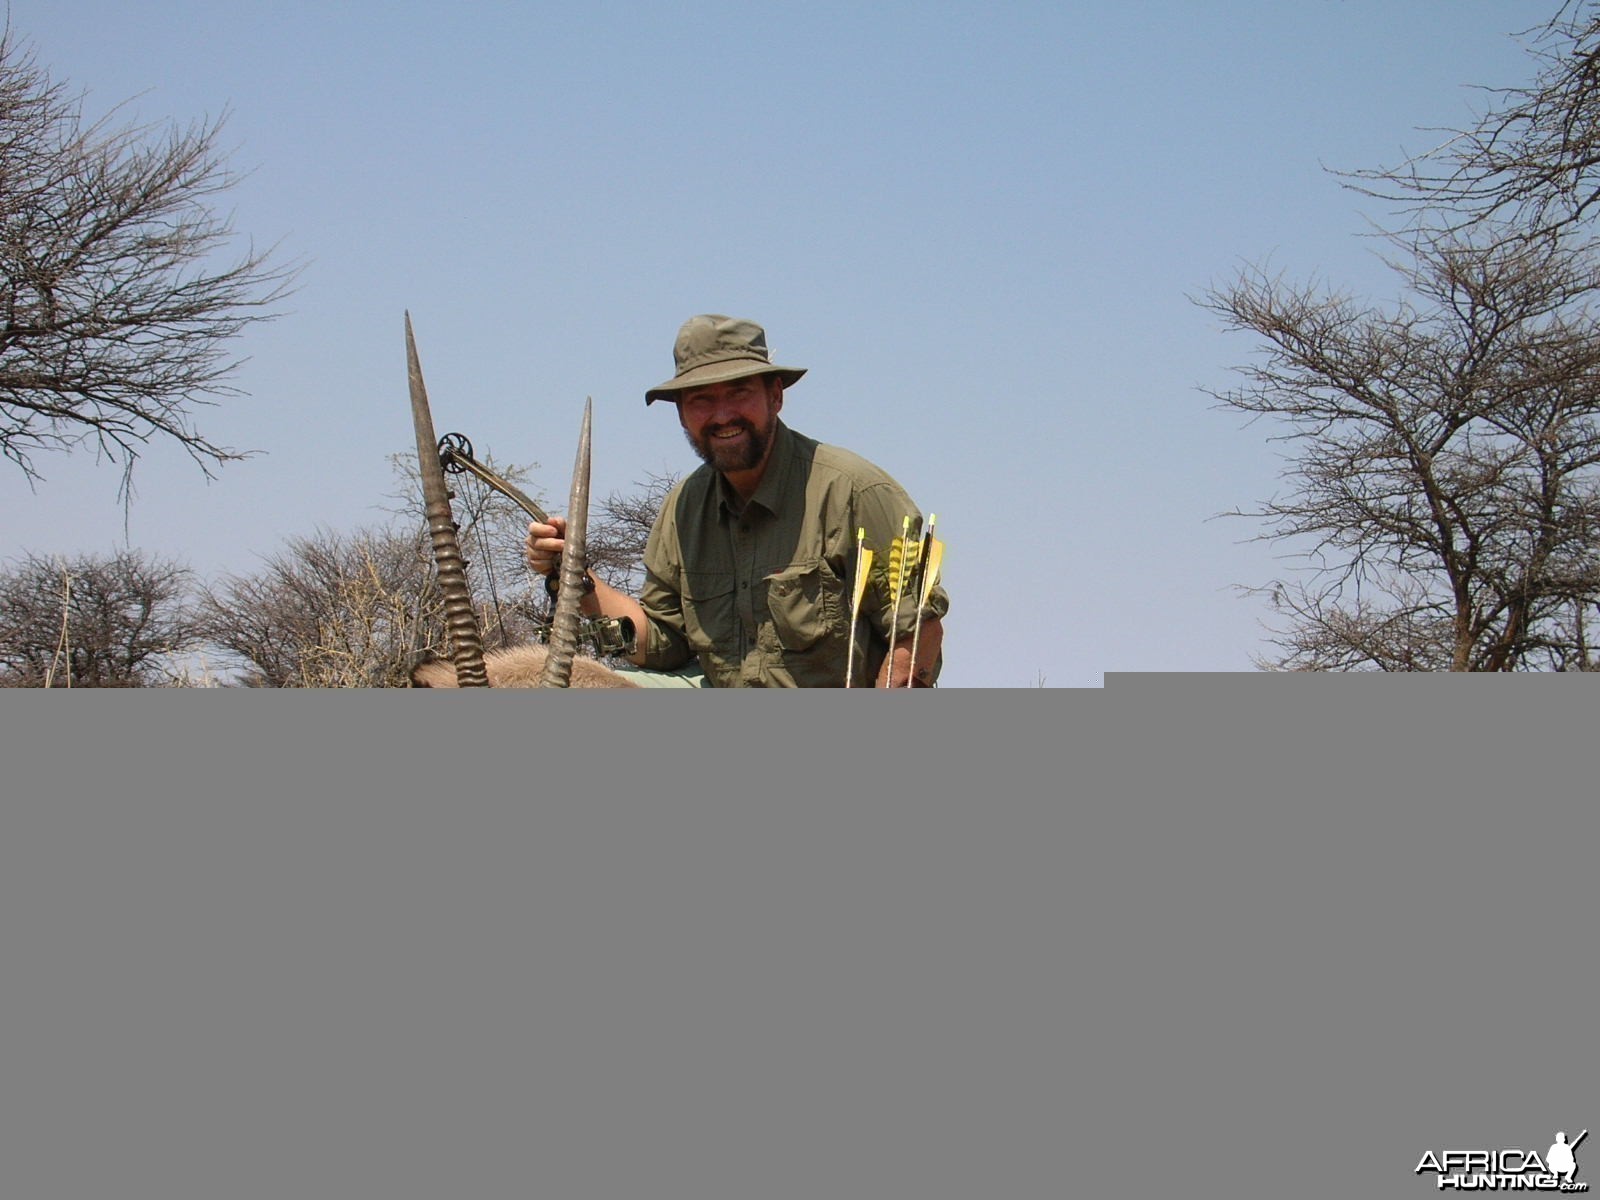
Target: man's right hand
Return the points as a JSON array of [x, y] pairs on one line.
[[544, 545]]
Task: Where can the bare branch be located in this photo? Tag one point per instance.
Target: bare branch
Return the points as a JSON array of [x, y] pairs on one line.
[[91, 621], [117, 303], [1443, 480], [1531, 162]]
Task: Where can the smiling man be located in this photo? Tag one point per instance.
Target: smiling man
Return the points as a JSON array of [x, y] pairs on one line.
[[749, 570]]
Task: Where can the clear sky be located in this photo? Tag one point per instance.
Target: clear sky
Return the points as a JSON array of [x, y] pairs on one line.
[[981, 228]]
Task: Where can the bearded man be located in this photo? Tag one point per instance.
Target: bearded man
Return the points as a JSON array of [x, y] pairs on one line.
[[750, 567]]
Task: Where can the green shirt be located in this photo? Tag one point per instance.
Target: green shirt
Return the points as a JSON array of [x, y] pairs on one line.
[[762, 597]]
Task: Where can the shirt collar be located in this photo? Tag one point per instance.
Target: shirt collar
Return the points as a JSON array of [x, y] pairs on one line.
[[770, 490]]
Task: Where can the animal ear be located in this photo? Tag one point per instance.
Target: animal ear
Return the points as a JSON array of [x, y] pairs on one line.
[[434, 674]]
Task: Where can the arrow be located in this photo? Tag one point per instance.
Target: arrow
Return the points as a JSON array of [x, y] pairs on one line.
[[932, 555], [903, 555], [863, 568]]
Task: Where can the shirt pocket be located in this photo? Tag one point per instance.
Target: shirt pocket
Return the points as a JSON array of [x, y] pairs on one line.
[[806, 603], [710, 616]]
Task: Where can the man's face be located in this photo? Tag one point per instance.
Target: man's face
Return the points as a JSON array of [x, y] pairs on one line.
[[730, 425]]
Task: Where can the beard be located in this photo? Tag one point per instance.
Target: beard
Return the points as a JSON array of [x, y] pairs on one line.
[[740, 455]]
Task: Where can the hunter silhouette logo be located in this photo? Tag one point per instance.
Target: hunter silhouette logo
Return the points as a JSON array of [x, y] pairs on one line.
[[1559, 1157], [1508, 1170]]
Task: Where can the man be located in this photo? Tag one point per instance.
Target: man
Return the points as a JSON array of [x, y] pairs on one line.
[[1559, 1159], [749, 569]]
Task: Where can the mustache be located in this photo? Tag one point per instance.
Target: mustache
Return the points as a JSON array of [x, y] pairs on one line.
[[730, 454]]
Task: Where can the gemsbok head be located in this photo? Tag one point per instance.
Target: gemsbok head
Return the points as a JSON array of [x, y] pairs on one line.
[[554, 666]]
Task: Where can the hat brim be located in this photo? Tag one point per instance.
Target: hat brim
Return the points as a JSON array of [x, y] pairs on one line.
[[720, 372]]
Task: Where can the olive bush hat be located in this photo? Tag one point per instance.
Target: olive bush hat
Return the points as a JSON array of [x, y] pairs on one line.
[[713, 349]]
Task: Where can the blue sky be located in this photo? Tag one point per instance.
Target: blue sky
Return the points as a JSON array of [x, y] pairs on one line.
[[980, 227]]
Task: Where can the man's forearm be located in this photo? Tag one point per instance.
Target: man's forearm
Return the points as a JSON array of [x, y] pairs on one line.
[[607, 601]]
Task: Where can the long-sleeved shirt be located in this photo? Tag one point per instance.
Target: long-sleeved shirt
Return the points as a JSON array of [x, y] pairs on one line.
[[761, 593]]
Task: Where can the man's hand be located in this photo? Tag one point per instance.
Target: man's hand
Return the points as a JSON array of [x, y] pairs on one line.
[[544, 544], [897, 669]]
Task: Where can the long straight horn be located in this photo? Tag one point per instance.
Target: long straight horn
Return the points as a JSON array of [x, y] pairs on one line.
[[466, 642], [565, 620]]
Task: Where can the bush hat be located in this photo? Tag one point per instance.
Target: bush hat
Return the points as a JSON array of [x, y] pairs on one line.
[[713, 348]]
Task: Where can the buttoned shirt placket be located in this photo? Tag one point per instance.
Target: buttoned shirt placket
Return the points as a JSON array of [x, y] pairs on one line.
[[743, 535]]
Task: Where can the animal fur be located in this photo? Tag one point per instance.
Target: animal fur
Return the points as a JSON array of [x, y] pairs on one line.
[[519, 667]]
